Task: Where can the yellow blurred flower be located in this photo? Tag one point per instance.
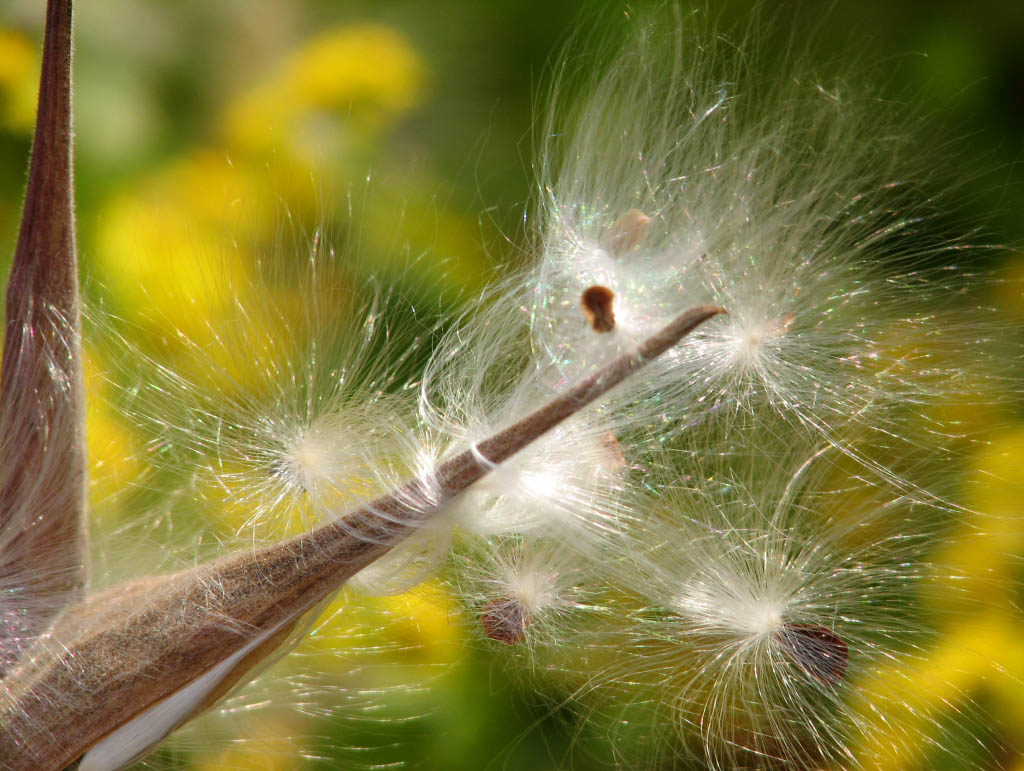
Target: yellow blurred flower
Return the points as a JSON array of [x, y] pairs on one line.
[[986, 647], [422, 628], [1010, 292], [903, 707], [113, 449], [19, 81], [163, 249], [353, 77], [274, 750], [987, 547]]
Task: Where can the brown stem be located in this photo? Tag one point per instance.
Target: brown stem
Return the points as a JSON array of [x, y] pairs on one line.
[[119, 653], [42, 414]]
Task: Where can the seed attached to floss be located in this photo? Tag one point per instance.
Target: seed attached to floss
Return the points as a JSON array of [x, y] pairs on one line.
[[818, 651], [782, 324], [505, 620], [279, 468], [597, 307], [614, 458], [626, 233], [753, 337]]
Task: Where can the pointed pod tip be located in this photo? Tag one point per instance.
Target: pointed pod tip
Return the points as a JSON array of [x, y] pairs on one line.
[[677, 329], [700, 313], [42, 407], [45, 263]]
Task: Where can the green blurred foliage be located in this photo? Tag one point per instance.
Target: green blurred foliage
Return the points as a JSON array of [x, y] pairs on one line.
[[152, 79]]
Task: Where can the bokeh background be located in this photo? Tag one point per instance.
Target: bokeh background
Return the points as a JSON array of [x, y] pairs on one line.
[[405, 131]]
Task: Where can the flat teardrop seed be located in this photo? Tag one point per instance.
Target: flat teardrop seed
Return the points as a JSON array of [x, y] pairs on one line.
[[505, 620], [818, 651]]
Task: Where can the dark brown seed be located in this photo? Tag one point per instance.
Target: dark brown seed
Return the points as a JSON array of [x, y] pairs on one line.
[[818, 651], [505, 620], [597, 307]]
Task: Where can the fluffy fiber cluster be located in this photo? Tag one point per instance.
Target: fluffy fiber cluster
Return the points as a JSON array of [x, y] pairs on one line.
[[714, 560], [745, 533]]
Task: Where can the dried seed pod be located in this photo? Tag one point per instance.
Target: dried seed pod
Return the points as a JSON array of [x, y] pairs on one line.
[[176, 643], [597, 307], [818, 651], [505, 620], [43, 542]]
